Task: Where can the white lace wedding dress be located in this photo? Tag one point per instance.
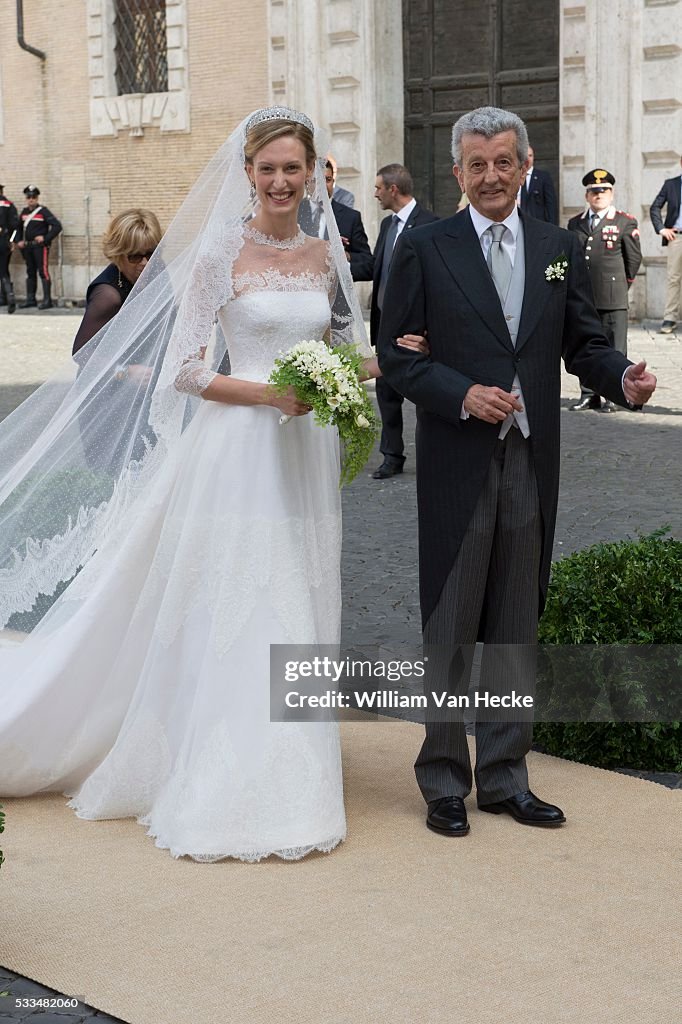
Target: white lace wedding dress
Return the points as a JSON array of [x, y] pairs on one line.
[[145, 690]]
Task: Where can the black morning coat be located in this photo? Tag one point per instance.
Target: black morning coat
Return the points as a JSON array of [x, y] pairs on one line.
[[439, 282]]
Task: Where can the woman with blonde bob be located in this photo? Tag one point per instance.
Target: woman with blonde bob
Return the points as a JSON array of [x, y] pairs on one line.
[[129, 242]]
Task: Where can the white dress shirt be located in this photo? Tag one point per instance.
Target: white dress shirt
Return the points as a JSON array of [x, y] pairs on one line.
[[403, 217], [610, 211], [481, 225]]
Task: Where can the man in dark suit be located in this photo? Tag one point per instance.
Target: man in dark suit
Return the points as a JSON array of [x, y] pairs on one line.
[[537, 197], [503, 297], [613, 254], [670, 196], [354, 239], [349, 222], [393, 189]]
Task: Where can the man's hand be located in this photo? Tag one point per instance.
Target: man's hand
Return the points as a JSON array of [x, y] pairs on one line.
[[638, 384], [490, 404], [667, 233], [416, 342], [21, 245], [39, 239]]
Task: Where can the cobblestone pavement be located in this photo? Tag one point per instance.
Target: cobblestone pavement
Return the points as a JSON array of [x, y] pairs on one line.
[[20, 1000], [621, 475]]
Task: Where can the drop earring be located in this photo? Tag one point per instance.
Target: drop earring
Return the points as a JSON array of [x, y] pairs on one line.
[[309, 190], [252, 191]]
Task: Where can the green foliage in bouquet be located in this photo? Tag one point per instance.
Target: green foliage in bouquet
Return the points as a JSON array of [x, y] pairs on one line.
[[626, 592], [327, 379]]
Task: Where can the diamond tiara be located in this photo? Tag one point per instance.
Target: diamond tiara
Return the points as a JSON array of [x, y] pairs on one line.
[[279, 114]]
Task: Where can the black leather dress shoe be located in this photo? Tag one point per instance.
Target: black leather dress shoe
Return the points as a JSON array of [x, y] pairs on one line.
[[588, 402], [447, 816], [387, 468], [528, 809], [609, 407]]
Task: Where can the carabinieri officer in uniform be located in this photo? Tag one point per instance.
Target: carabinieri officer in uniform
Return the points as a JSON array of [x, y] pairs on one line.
[[37, 229], [610, 239], [9, 222]]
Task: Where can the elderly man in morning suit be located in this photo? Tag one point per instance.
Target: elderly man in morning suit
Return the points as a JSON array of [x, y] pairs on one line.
[[503, 298]]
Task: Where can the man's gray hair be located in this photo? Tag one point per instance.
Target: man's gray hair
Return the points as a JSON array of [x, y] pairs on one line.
[[489, 121]]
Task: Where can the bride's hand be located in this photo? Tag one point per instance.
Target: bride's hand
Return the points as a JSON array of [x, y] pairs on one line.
[[139, 374], [370, 368], [288, 403], [416, 342]]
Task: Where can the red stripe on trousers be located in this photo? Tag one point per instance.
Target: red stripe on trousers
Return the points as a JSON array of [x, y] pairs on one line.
[[46, 272]]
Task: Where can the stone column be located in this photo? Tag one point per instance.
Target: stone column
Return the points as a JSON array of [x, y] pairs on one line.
[[341, 62], [621, 89]]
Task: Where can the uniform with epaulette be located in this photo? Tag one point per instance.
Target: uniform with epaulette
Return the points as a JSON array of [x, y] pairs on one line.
[[9, 222], [610, 241], [38, 227]]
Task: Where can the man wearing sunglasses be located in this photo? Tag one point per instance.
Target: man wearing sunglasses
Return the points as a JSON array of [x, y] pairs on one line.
[[610, 241]]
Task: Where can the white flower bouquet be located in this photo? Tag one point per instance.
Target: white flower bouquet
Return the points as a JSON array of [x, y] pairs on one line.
[[327, 379]]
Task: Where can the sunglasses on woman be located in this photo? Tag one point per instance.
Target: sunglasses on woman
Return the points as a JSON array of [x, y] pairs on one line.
[[137, 257]]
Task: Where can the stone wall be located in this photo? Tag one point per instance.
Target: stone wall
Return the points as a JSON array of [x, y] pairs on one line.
[[621, 108], [92, 153], [341, 61]]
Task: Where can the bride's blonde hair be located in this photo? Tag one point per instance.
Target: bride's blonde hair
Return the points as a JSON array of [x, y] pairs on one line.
[[267, 131]]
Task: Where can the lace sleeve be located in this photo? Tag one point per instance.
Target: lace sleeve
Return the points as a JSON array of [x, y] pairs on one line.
[[332, 275], [209, 288], [194, 376], [340, 332]]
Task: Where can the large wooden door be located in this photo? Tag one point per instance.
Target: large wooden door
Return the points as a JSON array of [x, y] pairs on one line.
[[461, 54]]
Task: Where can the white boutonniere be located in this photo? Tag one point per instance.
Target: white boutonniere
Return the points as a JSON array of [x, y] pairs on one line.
[[556, 271]]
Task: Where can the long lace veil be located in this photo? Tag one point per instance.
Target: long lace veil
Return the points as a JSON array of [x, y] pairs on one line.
[[78, 453]]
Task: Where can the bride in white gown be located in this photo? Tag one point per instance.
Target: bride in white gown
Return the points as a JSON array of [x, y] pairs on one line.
[[144, 690]]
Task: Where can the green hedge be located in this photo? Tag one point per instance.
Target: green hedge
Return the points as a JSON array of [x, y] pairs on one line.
[[626, 592]]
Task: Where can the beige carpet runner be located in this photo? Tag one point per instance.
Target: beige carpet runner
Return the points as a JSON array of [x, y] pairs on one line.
[[510, 925]]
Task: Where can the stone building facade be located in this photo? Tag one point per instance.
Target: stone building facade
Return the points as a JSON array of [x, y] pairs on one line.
[[600, 84], [93, 152], [617, 100]]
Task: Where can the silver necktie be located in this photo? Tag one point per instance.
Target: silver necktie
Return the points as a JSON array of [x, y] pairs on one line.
[[499, 263]]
